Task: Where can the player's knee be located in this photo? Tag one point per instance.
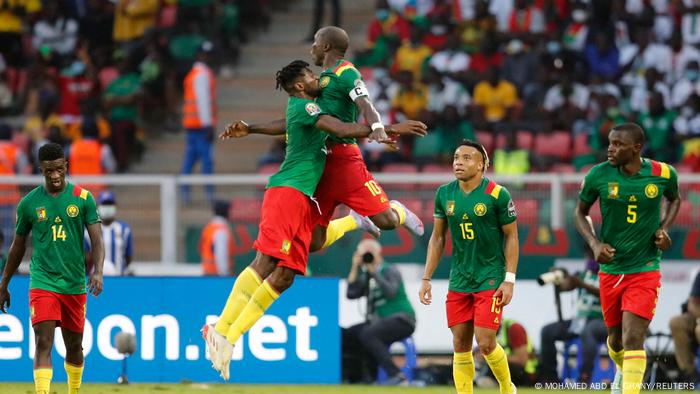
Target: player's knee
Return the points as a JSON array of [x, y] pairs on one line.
[[486, 345], [264, 265], [44, 343], [281, 279], [633, 337], [461, 345]]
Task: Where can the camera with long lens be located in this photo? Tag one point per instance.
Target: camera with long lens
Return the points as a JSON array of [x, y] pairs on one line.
[[554, 277], [368, 258]]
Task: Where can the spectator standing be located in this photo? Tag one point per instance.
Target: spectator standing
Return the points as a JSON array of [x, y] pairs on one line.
[[685, 332], [602, 57], [511, 159], [494, 98], [658, 127], [413, 54], [121, 99], [390, 315], [216, 243], [131, 20], [13, 17], [116, 235], [199, 117]]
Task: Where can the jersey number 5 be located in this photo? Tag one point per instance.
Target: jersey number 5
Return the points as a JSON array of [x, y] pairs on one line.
[[58, 232], [467, 231], [631, 213]]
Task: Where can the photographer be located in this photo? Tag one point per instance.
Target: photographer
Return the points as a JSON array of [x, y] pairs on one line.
[[390, 316], [588, 323], [685, 330]]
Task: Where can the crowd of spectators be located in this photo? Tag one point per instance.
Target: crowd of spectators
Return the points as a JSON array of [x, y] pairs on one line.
[[116, 64], [540, 80]]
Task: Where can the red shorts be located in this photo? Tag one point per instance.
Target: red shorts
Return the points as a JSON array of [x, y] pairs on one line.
[[285, 227], [345, 180], [636, 293], [481, 307], [67, 309]]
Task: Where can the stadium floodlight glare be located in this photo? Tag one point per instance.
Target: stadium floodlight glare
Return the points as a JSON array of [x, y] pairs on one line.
[[126, 345]]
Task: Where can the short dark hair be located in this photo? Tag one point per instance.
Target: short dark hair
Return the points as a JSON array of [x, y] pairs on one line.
[[634, 130], [480, 148], [51, 152], [288, 75]]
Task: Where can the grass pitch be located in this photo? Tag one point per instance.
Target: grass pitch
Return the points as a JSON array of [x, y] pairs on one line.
[[58, 388]]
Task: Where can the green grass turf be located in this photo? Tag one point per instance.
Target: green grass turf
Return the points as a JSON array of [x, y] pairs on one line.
[[58, 388]]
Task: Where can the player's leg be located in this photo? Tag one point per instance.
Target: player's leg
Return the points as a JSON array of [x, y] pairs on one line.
[[683, 329], [189, 161], [638, 306], [375, 336], [43, 370], [592, 334], [611, 290], [487, 318], [73, 309], [460, 320]]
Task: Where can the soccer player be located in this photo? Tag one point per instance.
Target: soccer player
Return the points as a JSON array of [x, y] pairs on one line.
[[346, 179], [630, 189], [287, 212], [56, 214], [481, 219]]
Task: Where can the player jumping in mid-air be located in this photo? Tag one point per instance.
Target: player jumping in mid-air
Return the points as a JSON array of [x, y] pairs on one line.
[[56, 214], [630, 189], [345, 179], [481, 219], [287, 212]]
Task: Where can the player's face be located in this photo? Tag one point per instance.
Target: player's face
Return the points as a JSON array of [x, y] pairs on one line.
[[317, 53], [467, 163], [310, 81], [54, 172], [621, 148]]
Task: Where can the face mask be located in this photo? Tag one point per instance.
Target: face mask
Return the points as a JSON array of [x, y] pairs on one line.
[[579, 15], [613, 112], [692, 75], [107, 211], [382, 15]]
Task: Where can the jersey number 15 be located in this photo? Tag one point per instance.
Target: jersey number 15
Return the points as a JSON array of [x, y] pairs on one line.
[[467, 230]]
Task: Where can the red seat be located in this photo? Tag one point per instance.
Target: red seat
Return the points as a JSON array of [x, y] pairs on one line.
[[555, 144], [581, 146], [434, 169], [245, 209], [683, 168], [401, 168], [485, 138], [562, 168], [524, 140], [528, 211]]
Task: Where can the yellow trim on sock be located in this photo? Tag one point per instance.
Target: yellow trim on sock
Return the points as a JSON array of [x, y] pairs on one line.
[[42, 380], [498, 362], [263, 297], [74, 374], [337, 228], [243, 288], [616, 356], [633, 368], [463, 372], [399, 211]]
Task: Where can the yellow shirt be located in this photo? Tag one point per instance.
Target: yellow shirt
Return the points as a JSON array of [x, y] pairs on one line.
[[411, 102], [495, 100], [11, 23], [411, 59], [133, 17], [37, 130]]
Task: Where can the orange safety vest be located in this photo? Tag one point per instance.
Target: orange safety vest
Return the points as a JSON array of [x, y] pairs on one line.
[[190, 117], [86, 159], [9, 194], [206, 247]]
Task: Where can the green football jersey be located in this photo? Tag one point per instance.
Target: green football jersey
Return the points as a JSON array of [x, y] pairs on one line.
[[58, 226], [306, 151], [475, 220], [337, 84], [631, 211]]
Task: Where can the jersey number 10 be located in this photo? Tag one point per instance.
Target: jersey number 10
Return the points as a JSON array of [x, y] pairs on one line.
[[58, 232]]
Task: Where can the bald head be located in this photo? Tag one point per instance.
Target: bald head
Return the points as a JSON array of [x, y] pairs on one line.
[[336, 38]]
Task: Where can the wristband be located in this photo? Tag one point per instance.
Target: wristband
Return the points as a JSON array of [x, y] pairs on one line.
[[377, 125], [510, 277]]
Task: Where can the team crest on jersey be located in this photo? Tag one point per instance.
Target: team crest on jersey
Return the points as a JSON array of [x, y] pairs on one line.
[[651, 190], [41, 214], [613, 189], [286, 245], [480, 209], [313, 109], [72, 210], [323, 82], [450, 208]]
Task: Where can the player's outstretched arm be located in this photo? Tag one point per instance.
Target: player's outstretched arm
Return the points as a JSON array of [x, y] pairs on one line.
[[98, 257], [240, 128], [602, 252], [511, 250], [364, 104], [436, 247], [337, 128], [14, 258]]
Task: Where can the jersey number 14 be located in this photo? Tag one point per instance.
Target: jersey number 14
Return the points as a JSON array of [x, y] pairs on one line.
[[58, 232]]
